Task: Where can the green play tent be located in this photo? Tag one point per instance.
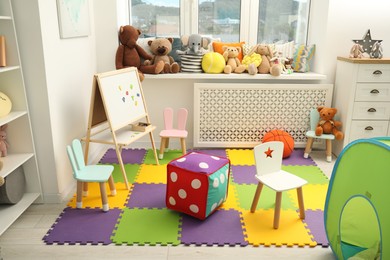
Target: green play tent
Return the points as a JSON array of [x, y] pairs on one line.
[[357, 207]]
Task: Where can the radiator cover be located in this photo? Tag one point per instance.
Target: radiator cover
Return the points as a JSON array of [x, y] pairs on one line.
[[238, 115]]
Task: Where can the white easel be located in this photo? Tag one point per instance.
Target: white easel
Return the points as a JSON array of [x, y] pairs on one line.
[[117, 102]]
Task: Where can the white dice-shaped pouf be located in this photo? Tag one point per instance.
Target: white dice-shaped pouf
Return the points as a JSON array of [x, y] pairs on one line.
[[197, 184]]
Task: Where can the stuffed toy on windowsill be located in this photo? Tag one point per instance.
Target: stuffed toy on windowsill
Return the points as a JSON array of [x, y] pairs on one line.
[[129, 53], [161, 48], [233, 64]]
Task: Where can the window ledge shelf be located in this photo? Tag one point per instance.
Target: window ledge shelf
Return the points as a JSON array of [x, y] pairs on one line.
[[243, 76]]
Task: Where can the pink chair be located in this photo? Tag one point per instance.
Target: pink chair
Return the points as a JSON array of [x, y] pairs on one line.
[[169, 131]]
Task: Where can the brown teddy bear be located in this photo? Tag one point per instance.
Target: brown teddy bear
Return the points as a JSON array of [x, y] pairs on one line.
[[327, 125], [161, 48], [233, 64], [129, 53]]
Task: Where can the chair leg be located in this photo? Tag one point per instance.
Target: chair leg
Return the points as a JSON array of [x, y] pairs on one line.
[[308, 147], [329, 150], [79, 198], [183, 145], [300, 203], [112, 185], [85, 189], [162, 147], [256, 197], [278, 203], [103, 194]]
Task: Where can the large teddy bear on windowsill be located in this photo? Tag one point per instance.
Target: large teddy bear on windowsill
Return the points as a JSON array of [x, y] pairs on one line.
[[161, 48], [129, 53]]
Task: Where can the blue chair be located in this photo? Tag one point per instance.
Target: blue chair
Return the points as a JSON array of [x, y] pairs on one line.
[[89, 173], [314, 119]]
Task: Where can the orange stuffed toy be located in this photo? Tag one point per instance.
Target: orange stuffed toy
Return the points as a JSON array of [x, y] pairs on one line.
[[327, 125], [129, 53]]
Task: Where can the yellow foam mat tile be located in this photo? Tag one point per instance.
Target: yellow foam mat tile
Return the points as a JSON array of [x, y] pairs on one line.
[[232, 198], [150, 173], [314, 196], [241, 156], [259, 229], [93, 200]]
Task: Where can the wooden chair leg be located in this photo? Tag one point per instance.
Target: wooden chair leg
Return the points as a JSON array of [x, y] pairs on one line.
[[79, 198], [308, 147], [300, 203], [183, 145], [256, 197], [278, 203], [167, 143], [328, 150], [103, 194], [85, 189], [162, 147], [154, 148], [112, 185]]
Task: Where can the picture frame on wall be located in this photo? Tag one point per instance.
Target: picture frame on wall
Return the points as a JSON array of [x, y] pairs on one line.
[[73, 18]]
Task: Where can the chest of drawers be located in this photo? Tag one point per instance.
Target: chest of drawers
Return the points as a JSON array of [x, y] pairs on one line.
[[362, 97]]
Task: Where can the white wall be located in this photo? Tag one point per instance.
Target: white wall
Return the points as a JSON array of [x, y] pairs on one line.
[[58, 77]]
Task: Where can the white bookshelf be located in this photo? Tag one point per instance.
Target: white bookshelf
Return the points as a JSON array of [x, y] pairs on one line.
[[21, 152]]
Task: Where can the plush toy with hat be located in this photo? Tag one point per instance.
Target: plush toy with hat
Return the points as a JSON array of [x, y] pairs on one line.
[[327, 124], [161, 48], [233, 64], [266, 55], [129, 53]]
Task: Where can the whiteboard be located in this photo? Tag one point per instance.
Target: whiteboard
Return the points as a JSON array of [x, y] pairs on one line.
[[122, 96]]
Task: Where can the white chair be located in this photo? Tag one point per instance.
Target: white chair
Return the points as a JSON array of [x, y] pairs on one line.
[[314, 119], [89, 173], [169, 131], [268, 159]]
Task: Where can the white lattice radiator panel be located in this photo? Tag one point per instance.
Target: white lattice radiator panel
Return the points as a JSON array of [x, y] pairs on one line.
[[238, 115]]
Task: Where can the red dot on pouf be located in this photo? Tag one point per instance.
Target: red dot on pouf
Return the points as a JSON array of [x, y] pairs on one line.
[[280, 135]]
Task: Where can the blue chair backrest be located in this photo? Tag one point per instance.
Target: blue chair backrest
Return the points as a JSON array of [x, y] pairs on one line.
[[314, 118], [75, 154]]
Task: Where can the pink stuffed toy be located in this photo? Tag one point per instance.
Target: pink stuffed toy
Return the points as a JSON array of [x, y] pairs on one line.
[[3, 143]]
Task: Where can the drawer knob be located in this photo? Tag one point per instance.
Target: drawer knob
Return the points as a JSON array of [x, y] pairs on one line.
[[374, 91], [371, 110], [377, 72], [369, 128]]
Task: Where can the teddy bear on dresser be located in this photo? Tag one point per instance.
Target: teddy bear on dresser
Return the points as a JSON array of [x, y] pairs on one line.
[[129, 53], [327, 124], [161, 48], [233, 64]]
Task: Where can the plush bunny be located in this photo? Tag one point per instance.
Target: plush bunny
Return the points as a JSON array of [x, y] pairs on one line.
[[3, 143], [356, 51]]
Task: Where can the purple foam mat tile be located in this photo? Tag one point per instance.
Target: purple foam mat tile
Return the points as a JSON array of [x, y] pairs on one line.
[[314, 220], [296, 158], [223, 227], [215, 152], [147, 196], [83, 226], [130, 156], [244, 174]]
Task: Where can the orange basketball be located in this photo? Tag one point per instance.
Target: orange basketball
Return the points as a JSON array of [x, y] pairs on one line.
[[280, 135]]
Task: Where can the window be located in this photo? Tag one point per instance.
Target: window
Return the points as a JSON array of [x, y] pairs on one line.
[[252, 21], [283, 20], [220, 18], [156, 17]]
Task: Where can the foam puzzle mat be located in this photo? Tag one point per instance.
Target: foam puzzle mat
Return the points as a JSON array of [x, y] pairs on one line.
[[139, 216]]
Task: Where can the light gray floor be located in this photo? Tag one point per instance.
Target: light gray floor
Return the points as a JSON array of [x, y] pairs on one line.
[[23, 240]]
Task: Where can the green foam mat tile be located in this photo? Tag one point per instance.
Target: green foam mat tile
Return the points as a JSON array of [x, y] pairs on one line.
[[147, 226], [312, 174], [168, 156], [131, 172]]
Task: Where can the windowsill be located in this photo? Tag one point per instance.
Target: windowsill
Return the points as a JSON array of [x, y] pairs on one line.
[[243, 76]]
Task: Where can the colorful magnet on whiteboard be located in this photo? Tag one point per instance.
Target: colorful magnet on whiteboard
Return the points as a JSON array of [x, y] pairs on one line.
[[123, 99], [131, 86], [120, 87]]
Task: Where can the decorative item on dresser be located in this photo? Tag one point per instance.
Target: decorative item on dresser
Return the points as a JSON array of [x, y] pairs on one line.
[[362, 96]]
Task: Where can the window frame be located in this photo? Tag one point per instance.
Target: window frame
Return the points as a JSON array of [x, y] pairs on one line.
[[249, 12]]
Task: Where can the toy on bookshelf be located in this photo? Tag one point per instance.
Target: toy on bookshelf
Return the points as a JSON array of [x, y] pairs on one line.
[[3, 60], [5, 104], [3, 143]]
